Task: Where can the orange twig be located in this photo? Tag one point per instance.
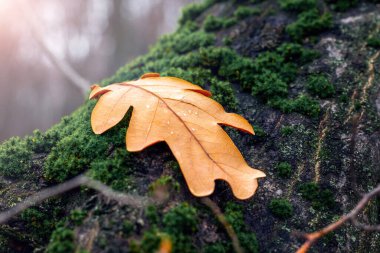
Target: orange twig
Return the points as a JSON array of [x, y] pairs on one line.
[[311, 238]]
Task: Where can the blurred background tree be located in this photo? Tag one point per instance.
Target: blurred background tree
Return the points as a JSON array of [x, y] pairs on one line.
[[94, 36]]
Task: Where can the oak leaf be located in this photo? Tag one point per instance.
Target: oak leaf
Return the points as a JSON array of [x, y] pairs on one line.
[[185, 117]]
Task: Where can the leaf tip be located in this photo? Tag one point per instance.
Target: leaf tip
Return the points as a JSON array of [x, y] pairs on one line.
[[94, 86], [203, 92], [97, 129], [94, 90], [146, 75]]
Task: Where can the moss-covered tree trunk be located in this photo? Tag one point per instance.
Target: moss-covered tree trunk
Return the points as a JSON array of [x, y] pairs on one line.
[[303, 72]]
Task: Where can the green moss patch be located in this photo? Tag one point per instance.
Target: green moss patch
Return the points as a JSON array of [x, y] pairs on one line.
[[213, 23], [284, 169], [320, 86], [374, 41], [321, 198], [342, 5], [179, 225], [15, 158], [243, 12], [247, 239], [297, 5], [62, 241], [309, 23], [281, 208]]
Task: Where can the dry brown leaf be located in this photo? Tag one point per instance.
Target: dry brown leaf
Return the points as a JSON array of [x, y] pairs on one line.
[[181, 114]]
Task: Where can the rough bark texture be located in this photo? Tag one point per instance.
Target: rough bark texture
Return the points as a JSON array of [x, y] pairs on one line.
[[315, 110]]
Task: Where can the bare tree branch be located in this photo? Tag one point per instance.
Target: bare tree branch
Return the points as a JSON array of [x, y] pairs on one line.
[[122, 198], [76, 79], [311, 238], [81, 180], [222, 219]]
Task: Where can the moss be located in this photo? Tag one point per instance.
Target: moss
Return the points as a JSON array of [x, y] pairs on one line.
[[127, 228], [115, 170], [181, 219], [305, 105], [221, 90], [173, 165], [302, 104], [15, 158], [249, 241], [228, 22], [321, 199], [357, 105], [342, 5], [81, 149], [217, 59], [309, 23], [67, 159], [259, 132], [42, 142], [196, 75], [224, 94], [374, 41], [269, 84], [198, 65], [213, 23], [164, 181], [294, 52], [325, 201], [320, 86], [344, 98], [243, 12], [284, 169], [180, 223], [39, 222], [215, 248], [309, 191], [62, 241], [259, 75], [77, 216], [234, 215], [287, 130], [193, 10], [227, 41], [151, 240], [152, 215], [297, 5], [275, 62], [281, 208], [181, 42]]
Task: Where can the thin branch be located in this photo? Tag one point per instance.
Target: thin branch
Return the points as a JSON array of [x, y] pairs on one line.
[[222, 219], [311, 238], [366, 227], [81, 180], [120, 197], [76, 79]]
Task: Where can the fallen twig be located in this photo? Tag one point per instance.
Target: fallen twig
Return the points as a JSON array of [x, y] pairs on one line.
[[311, 238], [81, 180]]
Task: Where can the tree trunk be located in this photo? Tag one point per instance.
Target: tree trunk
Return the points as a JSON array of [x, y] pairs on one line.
[[304, 73]]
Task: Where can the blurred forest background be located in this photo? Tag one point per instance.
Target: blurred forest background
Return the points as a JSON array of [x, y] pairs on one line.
[[95, 37]]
